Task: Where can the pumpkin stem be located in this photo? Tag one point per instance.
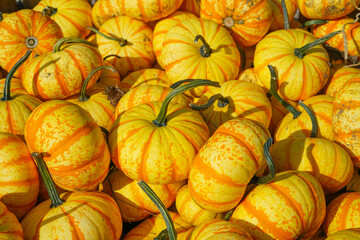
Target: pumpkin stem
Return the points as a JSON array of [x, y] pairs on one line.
[[121, 41], [45, 175], [111, 55], [83, 97], [156, 200], [300, 52], [178, 83], [273, 91], [160, 121], [205, 49], [313, 22], [286, 15], [229, 214], [31, 42], [6, 93], [60, 42], [270, 176], [314, 122], [49, 11], [222, 102]]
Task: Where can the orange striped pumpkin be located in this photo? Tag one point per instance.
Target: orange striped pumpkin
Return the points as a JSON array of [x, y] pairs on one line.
[[342, 213], [347, 234], [73, 16], [107, 78], [16, 86], [249, 75], [341, 77], [10, 226], [73, 148], [37, 31], [103, 10], [226, 163], [19, 177], [131, 40], [248, 21], [278, 15], [291, 206], [192, 6]]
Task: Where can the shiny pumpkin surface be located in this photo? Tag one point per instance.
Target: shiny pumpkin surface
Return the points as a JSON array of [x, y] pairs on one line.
[[321, 106], [73, 16], [298, 78], [248, 21], [136, 54], [291, 206], [157, 155], [347, 234], [26, 26], [10, 226], [342, 213], [135, 205], [83, 215], [74, 148], [182, 59], [58, 75], [329, 163], [341, 77], [19, 177], [226, 163], [103, 10]]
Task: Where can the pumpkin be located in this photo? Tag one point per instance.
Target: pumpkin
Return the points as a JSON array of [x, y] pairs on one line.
[[278, 113], [38, 32], [16, 86], [73, 16], [192, 6], [226, 163], [288, 50], [74, 215], [133, 202], [62, 141], [329, 163], [347, 234], [10, 227], [236, 99], [149, 10], [291, 206], [130, 40], [341, 77], [109, 77], [171, 132], [249, 75], [60, 74], [278, 15], [214, 54], [354, 183], [15, 108], [19, 177], [248, 21], [103, 10], [342, 213], [190, 211]]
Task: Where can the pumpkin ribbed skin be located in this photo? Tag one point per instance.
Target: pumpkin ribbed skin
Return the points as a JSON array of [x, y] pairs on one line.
[[348, 234], [247, 21], [182, 59], [157, 155], [16, 28], [190, 211], [15, 88], [341, 77], [58, 75], [192, 6], [278, 15], [135, 205], [245, 100], [149, 10], [62, 142], [10, 227], [329, 163], [352, 32], [298, 79], [19, 178], [291, 206], [321, 106], [226, 163], [342, 213], [137, 54], [103, 10], [83, 215]]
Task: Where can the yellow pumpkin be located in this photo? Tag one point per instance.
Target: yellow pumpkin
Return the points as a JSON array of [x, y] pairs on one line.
[[10, 226], [103, 10]]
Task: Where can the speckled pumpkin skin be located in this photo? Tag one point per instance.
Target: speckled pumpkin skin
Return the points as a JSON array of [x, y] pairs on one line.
[[103, 10], [226, 163], [10, 227], [347, 234], [341, 77], [291, 206]]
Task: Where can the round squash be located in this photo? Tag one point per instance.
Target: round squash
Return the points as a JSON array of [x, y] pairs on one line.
[[103, 10], [10, 227], [340, 78], [347, 234]]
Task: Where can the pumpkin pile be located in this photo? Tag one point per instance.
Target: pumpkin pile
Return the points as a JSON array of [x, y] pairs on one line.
[[179, 119]]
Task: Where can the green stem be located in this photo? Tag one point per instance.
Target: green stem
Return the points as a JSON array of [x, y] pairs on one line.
[[314, 122], [49, 184], [300, 52], [205, 49], [160, 121], [49, 11], [273, 91], [286, 15], [229, 214], [60, 42], [83, 97], [121, 41], [156, 200], [6, 93], [178, 83], [313, 22], [270, 176], [111, 55], [211, 101], [163, 235]]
